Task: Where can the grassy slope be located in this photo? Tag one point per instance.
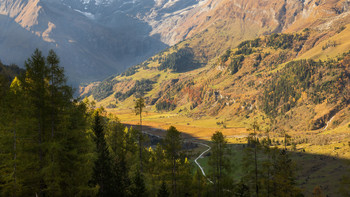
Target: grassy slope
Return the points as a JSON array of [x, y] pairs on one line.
[[211, 78], [201, 122]]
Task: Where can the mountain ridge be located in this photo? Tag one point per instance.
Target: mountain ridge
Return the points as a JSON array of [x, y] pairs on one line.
[[212, 92]]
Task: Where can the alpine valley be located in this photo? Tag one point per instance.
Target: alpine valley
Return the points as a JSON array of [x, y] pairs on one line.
[[284, 64], [179, 97], [287, 61]]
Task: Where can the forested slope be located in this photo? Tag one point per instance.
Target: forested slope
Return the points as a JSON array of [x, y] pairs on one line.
[[267, 77]]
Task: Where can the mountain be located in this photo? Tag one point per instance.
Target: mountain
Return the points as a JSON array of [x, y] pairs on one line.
[[298, 79], [97, 38], [9, 72], [94, 38]]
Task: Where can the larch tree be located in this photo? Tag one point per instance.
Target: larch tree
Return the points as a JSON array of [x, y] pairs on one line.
[[12, 125], [139, 105], [102, 176], [35, 84], [219, 162], [117, 140], [172, 147]]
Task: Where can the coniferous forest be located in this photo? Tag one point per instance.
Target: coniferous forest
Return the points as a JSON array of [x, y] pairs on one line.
[[55, 145]]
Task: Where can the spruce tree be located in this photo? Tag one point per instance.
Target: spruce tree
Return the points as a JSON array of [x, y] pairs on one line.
[[102, 176]]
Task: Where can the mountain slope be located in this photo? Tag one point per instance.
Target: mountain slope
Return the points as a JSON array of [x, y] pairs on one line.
[[97, 38], [260, 78], [89, 50]]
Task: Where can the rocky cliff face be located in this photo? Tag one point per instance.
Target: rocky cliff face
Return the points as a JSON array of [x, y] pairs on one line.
[[90, 49]]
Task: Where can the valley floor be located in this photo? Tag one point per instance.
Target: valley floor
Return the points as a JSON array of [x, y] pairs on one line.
[[322, 156]]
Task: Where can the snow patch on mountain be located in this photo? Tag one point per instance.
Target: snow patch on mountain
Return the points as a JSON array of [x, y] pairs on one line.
[[98, 2], [87, 14]]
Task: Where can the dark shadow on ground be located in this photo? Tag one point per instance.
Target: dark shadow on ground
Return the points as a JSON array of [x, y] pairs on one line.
[[312, 169]]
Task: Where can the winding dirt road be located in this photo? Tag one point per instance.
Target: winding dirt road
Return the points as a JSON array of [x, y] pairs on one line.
[[201, 156], [188, 140]]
